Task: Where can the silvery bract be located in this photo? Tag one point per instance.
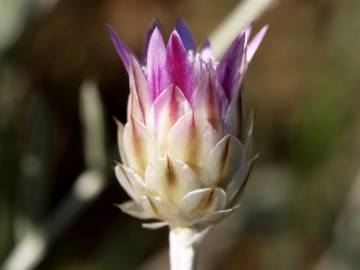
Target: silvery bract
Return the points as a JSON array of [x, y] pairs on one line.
[[185, 148]]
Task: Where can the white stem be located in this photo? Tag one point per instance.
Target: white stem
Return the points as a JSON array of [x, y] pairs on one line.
[[183, 250]]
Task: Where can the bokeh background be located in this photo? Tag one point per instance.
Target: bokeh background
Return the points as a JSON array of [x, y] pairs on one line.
[[301, 209]]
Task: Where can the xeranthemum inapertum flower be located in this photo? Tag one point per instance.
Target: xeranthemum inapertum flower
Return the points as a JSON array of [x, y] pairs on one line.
[[185, 149]]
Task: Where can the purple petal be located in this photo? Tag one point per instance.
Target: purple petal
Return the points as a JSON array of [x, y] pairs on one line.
[[228, 70], [185, 35], [154, 25], [178, 66], [122, 50], [156, 59], [255, 43]]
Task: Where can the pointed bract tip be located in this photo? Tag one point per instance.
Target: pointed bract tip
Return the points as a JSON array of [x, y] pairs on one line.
[[116, 120], [116, 163], [255, 43], [185, 35], [156, 39], [122, 50], [178, 65], [227, 70], [154, 25], [155, 61], [175, 41], [117, 205]]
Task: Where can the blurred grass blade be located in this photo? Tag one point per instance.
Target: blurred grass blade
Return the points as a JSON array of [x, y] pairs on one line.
[[244, 13], [36, 166], [13, 16], [91, 114], [32, 248], [13, 87]]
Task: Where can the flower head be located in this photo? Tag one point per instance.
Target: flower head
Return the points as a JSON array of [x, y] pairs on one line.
[[185, 148]]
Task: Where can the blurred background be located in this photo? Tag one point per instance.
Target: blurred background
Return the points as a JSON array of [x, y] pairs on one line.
[[61, 83]]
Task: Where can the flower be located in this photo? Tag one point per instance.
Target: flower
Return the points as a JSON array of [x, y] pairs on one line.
[[185, 149]]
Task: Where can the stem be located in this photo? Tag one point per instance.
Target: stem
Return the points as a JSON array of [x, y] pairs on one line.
[[183, 250]]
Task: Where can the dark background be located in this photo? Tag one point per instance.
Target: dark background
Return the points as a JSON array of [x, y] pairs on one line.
[[301, 209]]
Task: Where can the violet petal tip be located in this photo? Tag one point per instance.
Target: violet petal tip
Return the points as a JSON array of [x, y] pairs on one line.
[[120, 47], [185, 35]]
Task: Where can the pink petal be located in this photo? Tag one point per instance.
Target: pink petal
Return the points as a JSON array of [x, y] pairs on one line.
[[178, 66], [169, 106], [153, 26], [156, 60]]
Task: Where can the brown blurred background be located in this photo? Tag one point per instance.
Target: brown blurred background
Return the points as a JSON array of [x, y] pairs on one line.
[[302, 207]]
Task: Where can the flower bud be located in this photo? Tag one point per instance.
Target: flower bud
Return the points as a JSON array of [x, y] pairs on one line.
[[185, 149]]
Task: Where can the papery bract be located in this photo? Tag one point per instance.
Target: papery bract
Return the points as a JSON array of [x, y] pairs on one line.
[[185, 148]]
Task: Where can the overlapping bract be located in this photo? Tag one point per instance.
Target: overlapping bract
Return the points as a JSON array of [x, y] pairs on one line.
[[185, 149]]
